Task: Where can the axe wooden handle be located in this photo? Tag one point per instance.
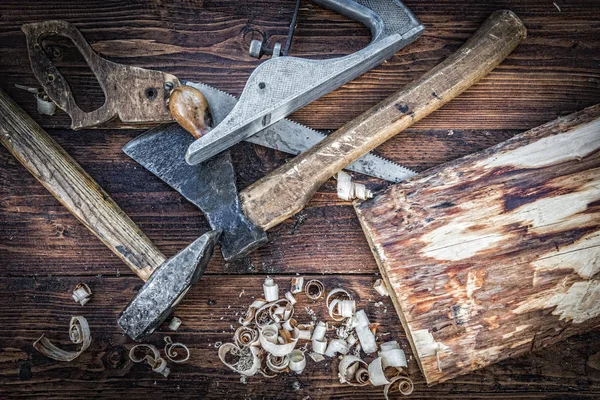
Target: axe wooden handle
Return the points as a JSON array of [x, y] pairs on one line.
[[75, 189], [288, 189]]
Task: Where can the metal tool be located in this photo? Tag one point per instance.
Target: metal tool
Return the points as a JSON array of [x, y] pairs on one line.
[[87, 201], [286, 190], [146, 92], [281, 85], [161, 151]]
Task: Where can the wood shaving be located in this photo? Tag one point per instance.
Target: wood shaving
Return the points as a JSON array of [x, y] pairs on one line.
[[271, 289], [402, 384], [174, 324], [297, 285], [314, 289], [79, 333], [156, 362], [380, 288], [82, 293], [297, 361], [347, 190], [172, 354]]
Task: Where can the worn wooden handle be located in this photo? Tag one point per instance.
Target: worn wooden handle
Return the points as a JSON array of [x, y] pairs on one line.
[[190, 109], [75, 189], [286, 190]]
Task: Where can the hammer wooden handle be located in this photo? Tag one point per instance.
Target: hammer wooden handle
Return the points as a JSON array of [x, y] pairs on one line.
[[288, 189], [75, 189]]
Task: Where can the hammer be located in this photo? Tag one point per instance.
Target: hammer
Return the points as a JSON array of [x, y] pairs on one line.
[[86, 200], [285, 191]]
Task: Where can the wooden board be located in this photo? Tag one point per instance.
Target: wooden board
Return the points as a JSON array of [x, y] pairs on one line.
[[497, 253], [45, 251]]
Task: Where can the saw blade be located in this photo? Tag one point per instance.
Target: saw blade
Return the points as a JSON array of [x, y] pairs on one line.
[[293, 138]]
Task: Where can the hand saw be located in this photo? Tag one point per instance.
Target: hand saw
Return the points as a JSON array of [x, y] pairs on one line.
[[147, 92]]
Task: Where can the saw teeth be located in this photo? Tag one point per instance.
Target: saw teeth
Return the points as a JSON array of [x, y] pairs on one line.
[[383, 159]]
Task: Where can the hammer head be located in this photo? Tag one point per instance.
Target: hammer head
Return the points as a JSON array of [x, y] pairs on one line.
[[166, 287]]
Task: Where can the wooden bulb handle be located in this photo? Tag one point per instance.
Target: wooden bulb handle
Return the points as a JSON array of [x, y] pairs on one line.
[[288, 189], [190, 109], [75, 189]]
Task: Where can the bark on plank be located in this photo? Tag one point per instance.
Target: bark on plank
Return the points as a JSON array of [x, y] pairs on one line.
[[495, 254]]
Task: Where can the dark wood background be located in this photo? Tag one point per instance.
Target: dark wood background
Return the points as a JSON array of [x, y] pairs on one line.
[[45, 252]]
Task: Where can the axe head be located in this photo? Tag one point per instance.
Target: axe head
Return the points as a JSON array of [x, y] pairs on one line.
[[166, 287], [209, 185]]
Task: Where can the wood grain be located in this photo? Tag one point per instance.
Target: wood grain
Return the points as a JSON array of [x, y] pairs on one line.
[[75, 189], [285, 191], [495, 254], [554, 72], [208, 312]]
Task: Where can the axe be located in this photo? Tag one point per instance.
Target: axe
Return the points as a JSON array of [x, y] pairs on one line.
[[286, 190]]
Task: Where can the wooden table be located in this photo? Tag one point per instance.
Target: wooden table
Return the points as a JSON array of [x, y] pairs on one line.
[[45, 252]]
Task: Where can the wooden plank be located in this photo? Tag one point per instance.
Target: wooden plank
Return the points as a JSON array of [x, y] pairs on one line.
[[495, 254], [103, 371]]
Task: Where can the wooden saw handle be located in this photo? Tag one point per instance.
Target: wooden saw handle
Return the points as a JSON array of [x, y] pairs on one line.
[[190, 109], [286, 190], [75, 189]]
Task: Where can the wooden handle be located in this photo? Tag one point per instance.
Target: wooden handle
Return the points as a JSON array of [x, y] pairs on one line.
[[286, 190], [190, 109], [75, 189]]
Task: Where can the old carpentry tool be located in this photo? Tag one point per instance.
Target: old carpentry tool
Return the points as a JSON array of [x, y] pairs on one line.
[[495, 254], [87, 201], [139, 97], [286, 190], [281, 85]]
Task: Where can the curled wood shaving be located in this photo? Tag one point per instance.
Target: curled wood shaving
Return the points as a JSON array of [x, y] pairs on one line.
[[274, 348], [172, 354], [319, 346], [246, 336], [379, 286], [246, 360], [336, 346], [271, 289], [377, 374], [314, 289], [319, 331], [82, 293], [347, 190], [402, 384], [290, 297], [79, 333], [297, 284], [250, 314], [278, 363], [174, 324], [365, 335], [297, 361], [157, 363], [351, 370]]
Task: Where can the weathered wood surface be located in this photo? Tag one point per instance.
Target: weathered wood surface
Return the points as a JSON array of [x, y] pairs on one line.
[[497, 253], [553, 72]]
